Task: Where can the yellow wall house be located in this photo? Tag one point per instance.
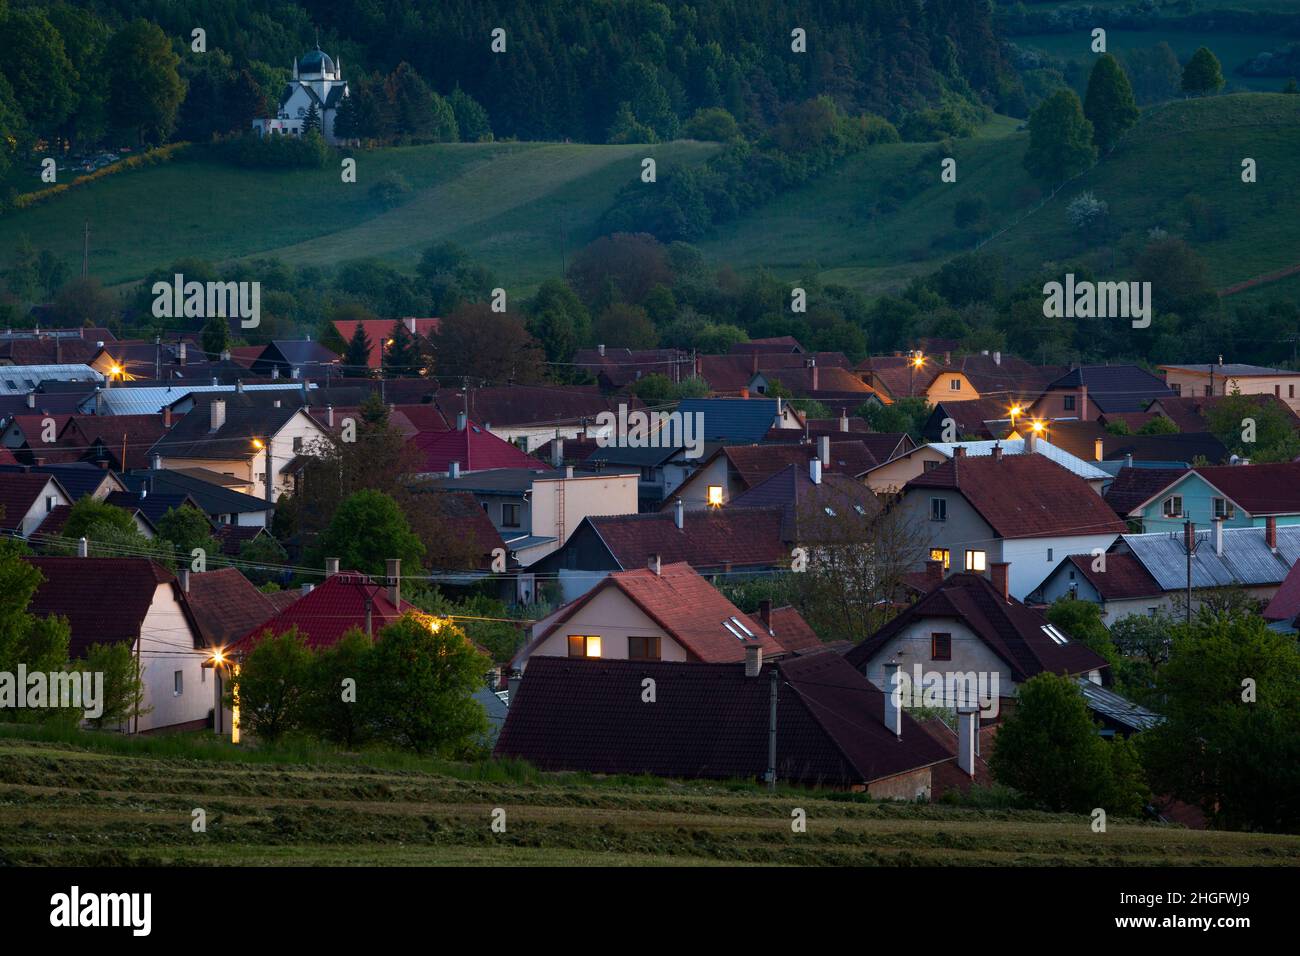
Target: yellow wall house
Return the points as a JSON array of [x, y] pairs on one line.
[[1196, 381]]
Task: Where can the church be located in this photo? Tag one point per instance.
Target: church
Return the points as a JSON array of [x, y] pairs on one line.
[[317, 81]]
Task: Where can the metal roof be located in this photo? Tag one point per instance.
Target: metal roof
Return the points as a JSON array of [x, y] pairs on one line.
[[1016, 446], [1246, 558], [152, 399], [21, 379], [1117, 708], [1232, 368]]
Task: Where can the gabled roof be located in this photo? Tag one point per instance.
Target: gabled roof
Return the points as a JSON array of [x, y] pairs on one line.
[[193, 437], [1124, 578], [621, 366], [329, 611], [1084, 468], [18, 492], [1023, 496], [212, 499], [126, 438], [1246, 558], [1115, 388], [1111, 706], [462, 517], [105, 599], [1010, 629], [77, 479], [754, 463], [226, 605], [1233, 370], [1190, 412], [710, 538], [1285, 605], [776, 343], [1265, 489], [1188, 447], [793, 633], [1132, 486], [233, 537], [733, 419], [152, 506], [971, 417], [803, 502], [710, 721], [529, 404], [475, 448]]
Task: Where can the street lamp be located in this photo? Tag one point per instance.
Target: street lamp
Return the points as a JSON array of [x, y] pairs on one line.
[[916, 362], [260, 445]]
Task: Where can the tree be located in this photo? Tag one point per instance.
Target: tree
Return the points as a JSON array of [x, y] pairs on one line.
[[712, 125], [1180, 281], [188, 528], [260, 559], [271, 685], [905, 415], [1274, 432], [40, 75], [123, 692], [1203, 74], [412, 105], [326, 711], [39, 643], [1048, 748], [471, 118], [622, 266], [367, 529], [1159, 425], [475, 342], [311, 122], [558, 320], [424, 673], [357, 359], [401, 356], [626, 326], [145, 89], [1060, 139], [1109, 102], [88, 512], [84, 299], [1082, 621], [1230, 694]]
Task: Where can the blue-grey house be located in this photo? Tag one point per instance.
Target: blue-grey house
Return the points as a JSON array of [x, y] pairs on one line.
[[1242, 496]]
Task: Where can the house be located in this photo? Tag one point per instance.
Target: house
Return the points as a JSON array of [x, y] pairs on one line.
[[740, 421], [734, 469], [136, 602], [1133, 485], [1191, 413], [297, 358], [466, 448], [711, 541], [971, 626], [22, 379], [815, 507], [1022, 510], [379, 332], [1285, 604], [77, 479], [1256, 560], [214, 494], [1191, 381], [971, 377], [26, 500], [714, 721], [661, 471], [535, 512], [117, 442], [1241, 495], [1086, 392], [180, 398], [529, 416], [248, 439], [460, 516], [616, 368], [976, 419], [890, 476], [1092, 442], [312, 96]]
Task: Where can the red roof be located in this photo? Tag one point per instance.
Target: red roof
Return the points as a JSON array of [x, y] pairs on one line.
[[793, 632], [709, 538], [1024, 496], [1269, 489], [7, 457], [474, 448], [1125, 577], [226, 605], [1285, 605], [18, 492], [378, 331], [332, 608]]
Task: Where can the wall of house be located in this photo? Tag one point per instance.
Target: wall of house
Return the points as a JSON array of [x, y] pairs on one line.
[[604, 495], [912, 646], [1032, 558], [614, 618], [532, 437], [900, 471], [300, 426], [1198, 506], [963, 531], [1193, 384], [695, 491], [41, 508], [1064, 580], [166, 646], [943, 390], [913, 785], [234, 467]]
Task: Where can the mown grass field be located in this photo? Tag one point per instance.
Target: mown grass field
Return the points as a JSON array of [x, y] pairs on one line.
[[131, 803]]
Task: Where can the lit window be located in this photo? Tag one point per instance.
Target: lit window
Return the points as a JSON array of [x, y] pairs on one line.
[[938, 509], [643, 649], [940, 554], [584, 645], [715, 496], [178, 683], [941, 647], [975, 560]]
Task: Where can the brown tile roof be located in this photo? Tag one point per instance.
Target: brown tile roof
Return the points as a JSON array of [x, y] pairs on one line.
[[18, 492], [1009, 628], [1024, 496], [621, 366], [709, 538], [970, 417], [754, 463], [801, 501], [1285, 605], [463, 518], [1132, 486], [710, 721], [233, 536], [1190, 413], [528, 404], [227, 606], [948, 776], [776, 343], [793, 632], [1125, 577], [1267, 489]]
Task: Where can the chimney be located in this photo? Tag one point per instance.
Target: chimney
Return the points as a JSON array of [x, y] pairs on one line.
[[744, 393], [410, 324], [31, 399], [83, 548], [453, 470], [824, 449], [959, 451], [656, 564], [460, 421], [99, 402], [947, 359], [1270, 533], [753, 659], [513, 683], [1128, 461], [331, 566], [997, 358], [679, 514], [1000, 575], [156, 462], [893, 700], [1220, 361], [394, 574], [1189, 534], [183, 576], [218, 413], [1083, 403], [997, 452], [182, 352], [225, 355], [276, 403], [1218, 537], [239, 386], [933, 573], [815, 373], [967, 730], [215, 381], [600, 350], [844, 420], [1098, 449], [815, 470], [167, 416], [307, 589], [568, 471], [1031, 442], [329, 416], [765, 614], [557, 451], [275, 371]]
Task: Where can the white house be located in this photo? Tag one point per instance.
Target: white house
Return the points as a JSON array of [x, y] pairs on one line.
[[317, 82]]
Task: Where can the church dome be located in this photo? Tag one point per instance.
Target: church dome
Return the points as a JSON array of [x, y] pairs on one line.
[[317, 61]]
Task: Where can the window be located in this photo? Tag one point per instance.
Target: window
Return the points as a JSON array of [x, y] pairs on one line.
[[1172, 507], [1223, 508], [955, 385], [1290, 391], [643, 648], [584, 645], [715, 496], [736, 629], [975, 560], [50, 502], [829, 511], [1049, 555], [940, 554], [938, 509], [1153, 611], [1178, 389], [1056, 636], [203, 675], [1067, 403], [510, 516], [297, 444], [940, 647], [931, 465], [178, 683]]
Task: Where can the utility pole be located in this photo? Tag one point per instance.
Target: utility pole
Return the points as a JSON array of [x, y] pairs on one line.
[[1190, 544], [771, 733]]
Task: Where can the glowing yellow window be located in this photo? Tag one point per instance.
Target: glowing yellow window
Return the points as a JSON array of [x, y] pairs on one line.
[[715, 496], [940, 554], [581, 645]]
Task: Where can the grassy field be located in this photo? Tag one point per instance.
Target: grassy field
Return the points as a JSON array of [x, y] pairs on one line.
[[131, 802]]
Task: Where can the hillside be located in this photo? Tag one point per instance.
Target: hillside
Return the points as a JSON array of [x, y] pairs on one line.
[[132, 802]]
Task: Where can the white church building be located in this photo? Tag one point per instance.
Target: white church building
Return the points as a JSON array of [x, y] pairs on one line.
[[317, 81]]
